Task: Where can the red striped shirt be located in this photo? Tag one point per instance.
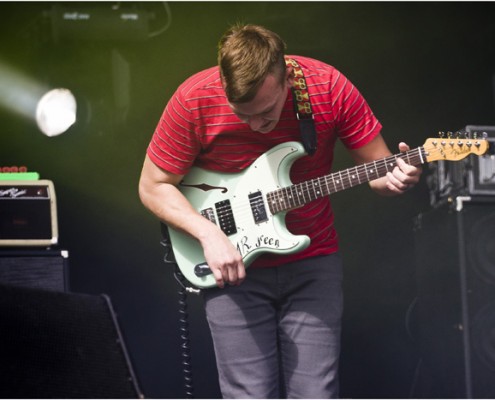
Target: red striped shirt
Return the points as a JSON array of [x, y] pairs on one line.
[[199, 128]]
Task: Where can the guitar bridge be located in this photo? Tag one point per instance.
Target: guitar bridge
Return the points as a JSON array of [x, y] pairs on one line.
[[209, 214]]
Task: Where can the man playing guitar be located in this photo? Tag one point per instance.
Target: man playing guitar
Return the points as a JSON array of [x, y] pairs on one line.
[[275, 326]]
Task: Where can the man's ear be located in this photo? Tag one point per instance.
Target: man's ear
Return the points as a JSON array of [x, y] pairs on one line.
[[289, 75]]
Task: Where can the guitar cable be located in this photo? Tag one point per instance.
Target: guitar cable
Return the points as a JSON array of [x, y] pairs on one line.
[[169, 258], [184, 336]]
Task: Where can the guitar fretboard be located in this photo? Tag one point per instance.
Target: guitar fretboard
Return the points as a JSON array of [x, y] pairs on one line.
[[297, 195]]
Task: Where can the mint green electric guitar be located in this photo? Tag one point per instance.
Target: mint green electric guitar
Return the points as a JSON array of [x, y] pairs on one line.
[[250, 206]]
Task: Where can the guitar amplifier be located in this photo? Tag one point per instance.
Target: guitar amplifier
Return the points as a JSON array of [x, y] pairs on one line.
[[472, 176], [481, 174], [28, 213]]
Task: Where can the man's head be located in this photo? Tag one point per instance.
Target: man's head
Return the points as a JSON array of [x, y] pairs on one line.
[[254, 74], [246, 55]]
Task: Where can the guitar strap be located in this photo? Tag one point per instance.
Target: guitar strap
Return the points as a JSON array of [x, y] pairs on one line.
[[302, 108]]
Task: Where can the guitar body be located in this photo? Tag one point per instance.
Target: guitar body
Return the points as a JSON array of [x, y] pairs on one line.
[[236, 202]]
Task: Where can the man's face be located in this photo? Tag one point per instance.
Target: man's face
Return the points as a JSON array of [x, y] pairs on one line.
[[263, 112]]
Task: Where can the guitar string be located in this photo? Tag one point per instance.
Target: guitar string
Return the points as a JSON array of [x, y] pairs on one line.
[[340, 180], [322, 186], [307, 190], [360, 174]]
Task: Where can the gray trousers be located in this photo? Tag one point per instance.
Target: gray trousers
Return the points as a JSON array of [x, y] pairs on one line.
[[278, 333]]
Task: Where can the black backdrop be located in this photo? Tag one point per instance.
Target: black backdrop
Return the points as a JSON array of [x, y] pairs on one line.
[[423, 67]]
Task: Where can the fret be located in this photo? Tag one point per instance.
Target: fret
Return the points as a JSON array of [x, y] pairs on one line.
[[287, 198], [307, 190], [334, 184], [341, 181], [328, 191], [316, 188], [388, 163], [301, 193], [418, 157], [322, 187], [283, 197], [293, 199], [320, 190], [310, 190], [296, 195], [393, 163], [375, 170], [349, 177], [363, 175], [365, 167], [421, 154], [280, 199], [346, 180], [354, 176], [273, 203], [381, 168], [290, 196], [358, 173]]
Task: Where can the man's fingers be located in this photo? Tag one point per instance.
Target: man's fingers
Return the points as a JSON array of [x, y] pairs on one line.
[[232, 274]]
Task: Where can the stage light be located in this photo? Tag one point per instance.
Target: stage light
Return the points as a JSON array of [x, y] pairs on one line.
[[56, 112]]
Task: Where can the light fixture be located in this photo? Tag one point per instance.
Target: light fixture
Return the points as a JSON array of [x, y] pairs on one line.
[[56, 112]]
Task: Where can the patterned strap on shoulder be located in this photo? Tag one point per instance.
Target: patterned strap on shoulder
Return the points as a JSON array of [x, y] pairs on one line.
[[302, 107]]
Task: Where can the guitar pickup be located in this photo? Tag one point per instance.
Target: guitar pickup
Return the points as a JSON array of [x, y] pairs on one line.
[[226, 217], [258, 207]]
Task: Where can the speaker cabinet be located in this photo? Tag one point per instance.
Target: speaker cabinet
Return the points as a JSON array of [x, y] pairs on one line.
[[42, 269], [61, 345], [455, 253]]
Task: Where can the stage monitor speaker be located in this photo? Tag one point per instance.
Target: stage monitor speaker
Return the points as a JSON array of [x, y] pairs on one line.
[[42, 269], [455, 253], [61, 345]]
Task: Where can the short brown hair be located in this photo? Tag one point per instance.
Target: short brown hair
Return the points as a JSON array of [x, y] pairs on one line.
[[246, 55]]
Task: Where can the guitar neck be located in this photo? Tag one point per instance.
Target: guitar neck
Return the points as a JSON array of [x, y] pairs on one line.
[[297, 195]]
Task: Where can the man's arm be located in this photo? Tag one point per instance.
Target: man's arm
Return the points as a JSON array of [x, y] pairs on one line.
[[402, 178], [158, 192]]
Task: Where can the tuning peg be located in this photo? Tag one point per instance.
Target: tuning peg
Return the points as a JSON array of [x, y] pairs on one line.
[[441, 134], [485, 135], [449, 135]]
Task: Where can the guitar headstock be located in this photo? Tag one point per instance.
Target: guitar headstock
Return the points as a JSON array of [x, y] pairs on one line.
[[454, 148]]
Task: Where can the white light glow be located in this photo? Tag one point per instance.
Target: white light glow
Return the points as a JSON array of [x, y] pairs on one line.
[[18, 92], [56, 112]]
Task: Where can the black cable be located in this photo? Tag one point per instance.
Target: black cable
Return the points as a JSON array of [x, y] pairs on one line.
[[169, 258], [184, 335]]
